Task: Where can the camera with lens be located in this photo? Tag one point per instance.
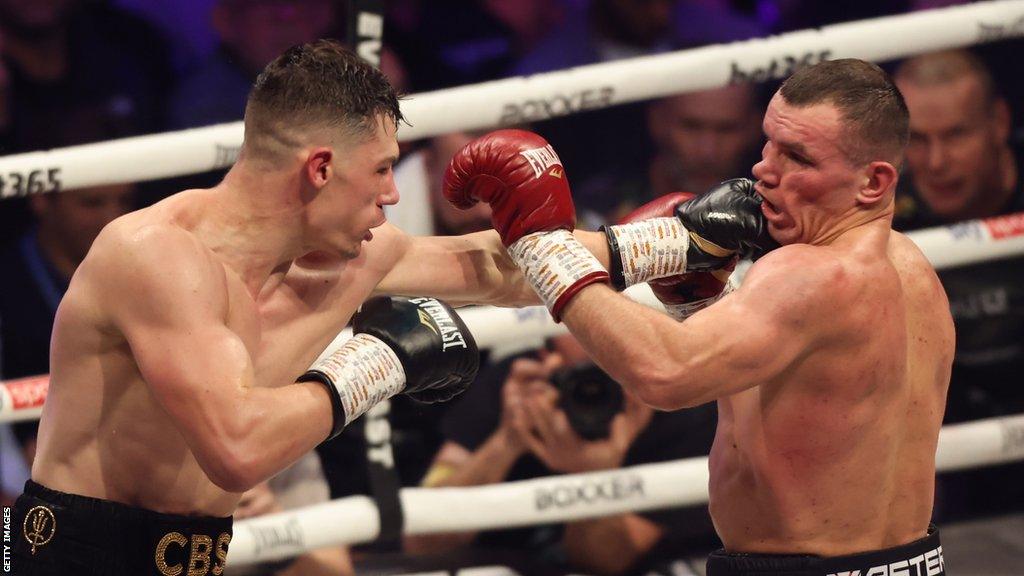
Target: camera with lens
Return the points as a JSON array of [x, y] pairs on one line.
[[589, 398]]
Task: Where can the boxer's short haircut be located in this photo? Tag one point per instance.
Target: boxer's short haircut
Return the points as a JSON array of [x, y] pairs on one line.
[[875, 117], [316, 86]]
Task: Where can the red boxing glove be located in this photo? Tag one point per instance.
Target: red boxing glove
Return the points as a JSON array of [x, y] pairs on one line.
[[660, 207], [520, 176], [686, 293]]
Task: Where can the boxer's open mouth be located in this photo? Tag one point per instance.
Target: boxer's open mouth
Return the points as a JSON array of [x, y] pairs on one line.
[[769, 209]]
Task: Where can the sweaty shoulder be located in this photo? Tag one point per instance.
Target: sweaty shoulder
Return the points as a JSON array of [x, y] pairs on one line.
[[801, 275], [916, 272], [135, 260], [921, 286]]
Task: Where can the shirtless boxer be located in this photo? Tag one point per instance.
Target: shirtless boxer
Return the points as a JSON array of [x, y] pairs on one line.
[[176, 350], [830, 364]]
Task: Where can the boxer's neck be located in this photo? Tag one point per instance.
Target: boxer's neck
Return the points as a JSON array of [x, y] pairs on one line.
[[255, 223], [849, 225]]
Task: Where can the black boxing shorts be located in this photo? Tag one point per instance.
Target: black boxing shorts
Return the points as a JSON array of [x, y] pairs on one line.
[[62, 534], [919, 558]]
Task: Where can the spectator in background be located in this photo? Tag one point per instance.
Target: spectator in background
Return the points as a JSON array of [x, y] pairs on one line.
[[454, 42], [703, 138], [186, 25], [71, 54], [601, 31], [700, 139], [790, 15], [251, 33], [510, 426], [606, 30], [961, 163]]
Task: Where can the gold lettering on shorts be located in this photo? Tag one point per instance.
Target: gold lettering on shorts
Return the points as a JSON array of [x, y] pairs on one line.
[[161, 553], [199, 558], [39, 527], [222, 553]]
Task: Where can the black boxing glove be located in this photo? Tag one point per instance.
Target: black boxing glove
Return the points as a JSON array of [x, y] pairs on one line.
[[416, 346], [679, 233], [729, 217]]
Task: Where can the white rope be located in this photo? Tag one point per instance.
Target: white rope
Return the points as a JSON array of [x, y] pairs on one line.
[[972, 241], [556, 499], [531, 98], [969, 242]]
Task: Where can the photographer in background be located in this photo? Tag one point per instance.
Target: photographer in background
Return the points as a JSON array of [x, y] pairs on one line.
[[556, 412]]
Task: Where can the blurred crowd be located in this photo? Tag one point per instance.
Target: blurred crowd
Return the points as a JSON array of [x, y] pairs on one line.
[[78, 71]]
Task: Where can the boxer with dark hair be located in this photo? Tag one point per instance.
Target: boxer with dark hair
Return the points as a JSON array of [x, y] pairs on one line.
[[177, 348], [830, 364]]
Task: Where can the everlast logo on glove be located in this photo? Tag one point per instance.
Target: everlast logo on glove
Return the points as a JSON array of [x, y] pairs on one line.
[[541, 159], [450, 333]]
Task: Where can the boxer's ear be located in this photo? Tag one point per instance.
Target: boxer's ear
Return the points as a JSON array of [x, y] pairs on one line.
[[878, 183], [318, 168]]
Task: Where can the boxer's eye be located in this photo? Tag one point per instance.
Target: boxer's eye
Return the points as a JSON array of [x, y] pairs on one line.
[[800, 159]]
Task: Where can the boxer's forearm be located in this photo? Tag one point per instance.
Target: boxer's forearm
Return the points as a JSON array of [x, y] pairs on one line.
[[469, 269], [512, 288], [644, 350], [261, 431], [596, 243]]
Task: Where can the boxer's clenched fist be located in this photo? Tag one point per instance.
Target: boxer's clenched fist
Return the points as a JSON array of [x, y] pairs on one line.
[[680, 233], [682, 294], [519, 174], [418, 346]]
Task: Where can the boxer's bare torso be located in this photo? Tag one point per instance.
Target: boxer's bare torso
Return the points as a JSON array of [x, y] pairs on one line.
[[107, 432], [104, 433], [836, 454]]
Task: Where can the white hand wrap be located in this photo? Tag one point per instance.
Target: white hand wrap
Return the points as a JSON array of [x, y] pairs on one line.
[[651, 249], [364, 371], [556, 265], [681, 312]]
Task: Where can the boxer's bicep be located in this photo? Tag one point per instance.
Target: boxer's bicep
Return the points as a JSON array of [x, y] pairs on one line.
[[757, 334], [173, 315], [747, 342]]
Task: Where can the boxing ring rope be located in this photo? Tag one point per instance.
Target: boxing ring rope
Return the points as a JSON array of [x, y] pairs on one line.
[[556, 499], [525, 99]]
